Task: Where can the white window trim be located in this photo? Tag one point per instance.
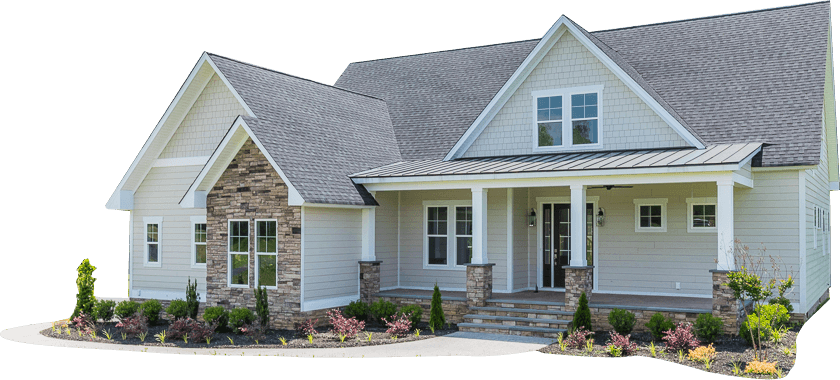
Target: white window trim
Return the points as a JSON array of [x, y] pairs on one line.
[[229, 261], [146, 222], [690, 211], [193, 221], [258, 254], [651, 202], [451, 242], [567, 93]]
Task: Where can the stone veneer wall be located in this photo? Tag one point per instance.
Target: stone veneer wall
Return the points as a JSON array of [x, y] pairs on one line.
[[251, 189], [578, 280], [600, 318], [453, 310], [369, 284], [724, 304], [479, 284]]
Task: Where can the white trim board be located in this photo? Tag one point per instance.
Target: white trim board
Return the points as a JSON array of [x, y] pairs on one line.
[[180, 161], [164, 295], [328, 303], [650, 294]]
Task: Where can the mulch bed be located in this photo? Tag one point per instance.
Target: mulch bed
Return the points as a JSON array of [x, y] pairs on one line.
[[223, 340], [729, 350]]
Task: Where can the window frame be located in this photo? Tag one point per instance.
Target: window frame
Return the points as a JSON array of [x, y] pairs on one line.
[[707, 201], [662, 202], [230, 254], [146, 222], [567, 138], [451, 241], [456, 236], [257, 254], [193, 221]]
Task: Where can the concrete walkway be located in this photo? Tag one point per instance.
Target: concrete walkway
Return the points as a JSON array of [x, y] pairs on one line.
[[456, 344]]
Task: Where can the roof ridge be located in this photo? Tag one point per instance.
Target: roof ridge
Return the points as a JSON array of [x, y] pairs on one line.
[[714, 16], [447, 50], [294, 76]]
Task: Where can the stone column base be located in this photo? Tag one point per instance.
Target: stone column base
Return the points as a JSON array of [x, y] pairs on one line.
[[369, 280], [479, 284], [578, 281], [724, 304]]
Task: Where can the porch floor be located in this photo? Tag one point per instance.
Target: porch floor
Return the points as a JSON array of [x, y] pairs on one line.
[[596, 300]]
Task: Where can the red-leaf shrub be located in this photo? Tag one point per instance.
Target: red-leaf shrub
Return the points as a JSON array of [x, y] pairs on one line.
[[306, 328], [254, 330], [201, 332], [183, 326], [681, 338], [401, 326], [134, 325], [84, 323], [343, 326], [623, 342], [577, 338]]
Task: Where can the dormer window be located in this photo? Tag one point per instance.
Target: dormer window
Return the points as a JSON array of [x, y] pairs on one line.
[[555, 130]]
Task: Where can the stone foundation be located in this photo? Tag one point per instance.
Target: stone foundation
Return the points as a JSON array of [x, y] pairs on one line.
[[453, 310], [600, 318], [802, 317], [479, 284], [578, 281], [369, 281], [724, 304]]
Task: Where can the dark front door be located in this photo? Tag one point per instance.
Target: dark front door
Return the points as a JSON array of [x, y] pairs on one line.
[[556, 239]]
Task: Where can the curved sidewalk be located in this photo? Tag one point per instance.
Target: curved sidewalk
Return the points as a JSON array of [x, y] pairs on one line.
[[456, 344]]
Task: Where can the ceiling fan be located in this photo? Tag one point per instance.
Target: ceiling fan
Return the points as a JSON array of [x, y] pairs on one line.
[[610, 187]]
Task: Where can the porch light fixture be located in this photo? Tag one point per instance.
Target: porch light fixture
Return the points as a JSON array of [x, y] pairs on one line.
[[532, 218], [601, 218]]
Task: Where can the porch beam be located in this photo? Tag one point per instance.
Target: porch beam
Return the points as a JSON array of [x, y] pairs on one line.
[[726, 224], [578, 215], [479, 232], [369, 233]]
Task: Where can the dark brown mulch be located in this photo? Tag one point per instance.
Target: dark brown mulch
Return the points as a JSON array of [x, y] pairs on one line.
[[272, 338]]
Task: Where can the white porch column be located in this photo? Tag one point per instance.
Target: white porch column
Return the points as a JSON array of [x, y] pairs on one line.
[[726, 224], [479, 232], [369, 233], [578, 214]]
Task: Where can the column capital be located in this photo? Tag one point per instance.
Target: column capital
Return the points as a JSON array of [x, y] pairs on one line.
[[479, 189], [577, 187], [726, 182]]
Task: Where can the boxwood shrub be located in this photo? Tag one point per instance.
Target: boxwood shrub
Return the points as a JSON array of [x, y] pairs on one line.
[[216, 315], [358, 310], [151, 310], [104, 310], [239, 317], [178, 309], [414, 313], [126, 309], [383, 310]]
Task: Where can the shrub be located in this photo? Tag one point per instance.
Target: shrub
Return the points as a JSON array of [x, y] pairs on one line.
[[681, 338], [126, 309], [784, 302], [357, 309], [134, 325], [178, 309], [414, 313], [192, 299], [240, 317], [777, 315], [261, 297], [658, 325], [84, 285], [151, 310], [708, 327], [343, 326], [761, 368], [399, 326], [702, 353], [104, 310], [582, 318], [436, 317], [202, 332], [383, 310], [760, 331], [622, 321], [306, 328], [183, 326], [254, 330], [84, 323], [622, 342], [577, 338], [216, 316]]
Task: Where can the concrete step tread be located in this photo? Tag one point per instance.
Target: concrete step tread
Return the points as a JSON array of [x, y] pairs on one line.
[[508, 327], [518, 310], [525, 302], [517, 319]]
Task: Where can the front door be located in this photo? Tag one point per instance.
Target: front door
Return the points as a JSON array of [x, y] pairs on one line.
[[556, 242]]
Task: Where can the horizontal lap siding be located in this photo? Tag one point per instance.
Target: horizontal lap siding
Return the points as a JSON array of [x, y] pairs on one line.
[[387, 221], [158, 196], [817, 242], [520, 239], [332, 249], [497, 236]]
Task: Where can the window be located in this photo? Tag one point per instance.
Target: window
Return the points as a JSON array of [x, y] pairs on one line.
[[199, 242], [651, 215], [266, 253], [238, 245], [577, 128], [448, 234], [151, 256], [702, 214]]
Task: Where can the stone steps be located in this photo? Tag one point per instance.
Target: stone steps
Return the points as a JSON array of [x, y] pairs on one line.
[[490, 328], [515, 317], [517, 321]]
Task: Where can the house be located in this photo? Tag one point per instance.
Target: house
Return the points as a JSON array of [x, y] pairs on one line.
[[625, 164]]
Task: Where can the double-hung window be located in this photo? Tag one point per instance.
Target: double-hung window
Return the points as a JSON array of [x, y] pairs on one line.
[[567, 119], [447, 234], [702, 214], [238, 248], [198, 250], [152, 234], [651, 215], [266, 236]]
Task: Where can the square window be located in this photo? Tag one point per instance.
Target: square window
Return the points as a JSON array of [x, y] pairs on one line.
[[702, 214], [651, 215], [550, 134]]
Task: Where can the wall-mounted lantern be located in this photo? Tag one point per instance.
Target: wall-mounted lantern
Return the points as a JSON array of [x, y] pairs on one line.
[[532, 218], [601, 218]]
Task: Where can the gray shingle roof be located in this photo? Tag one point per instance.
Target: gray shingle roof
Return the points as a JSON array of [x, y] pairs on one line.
[[317, 134]]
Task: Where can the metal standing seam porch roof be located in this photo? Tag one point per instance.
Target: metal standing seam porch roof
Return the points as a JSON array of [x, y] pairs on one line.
[[720, 154]]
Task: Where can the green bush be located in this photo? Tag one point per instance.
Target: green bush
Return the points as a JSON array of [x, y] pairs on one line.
[[762, 329], [414, 313], [104, 310], [383, 310], [192, 299], [622, 321], [777, 315], [583, 317], [436, 317], [216, 315], [358, 310], [708, 327], [178, 309], [658, 324], [126, 309], [84, 284], [261, 297], [151, 310], [239, 317]]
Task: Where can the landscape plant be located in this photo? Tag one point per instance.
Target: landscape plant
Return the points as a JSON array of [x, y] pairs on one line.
[[622, 321], [84, 286], [240, 317], [414, 313], [399, 326], [436, 317], [583, 317], [708, 327], [202, 332], [306, 328], [357, 309], [181, 328], [151, 310], [104, 310], [261, 297], [178, 309], [761, 367], [382, 310], [126, 309], [134, 325], [216, 316], [254, 330], [577, 338], [84, 324], [658, 325], [192, 299], [342, 326], [622, 342], [681, 338]]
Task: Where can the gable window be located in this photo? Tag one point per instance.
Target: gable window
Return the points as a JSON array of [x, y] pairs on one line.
[[702, 214], [266, 253], [577, 128], [651, 215], [238, 243], [151, 255], [448, 234], [198, 256]]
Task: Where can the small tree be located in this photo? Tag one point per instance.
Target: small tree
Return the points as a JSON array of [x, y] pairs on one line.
[[436, 317], [261, 295], [84, 283], [582, 318], [192, 299]]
